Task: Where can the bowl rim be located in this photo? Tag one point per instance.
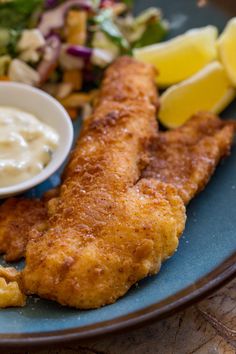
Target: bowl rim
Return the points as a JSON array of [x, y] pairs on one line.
[[49, 169]]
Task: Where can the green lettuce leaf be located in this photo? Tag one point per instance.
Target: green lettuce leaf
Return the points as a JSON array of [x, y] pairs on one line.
[[106, 24], [155, 32], [145, 29], [129, 3], [17, 14], [8, 41]]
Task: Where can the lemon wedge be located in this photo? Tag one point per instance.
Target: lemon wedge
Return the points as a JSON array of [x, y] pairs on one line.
[[181, 57], [208, 90], [227, 49]]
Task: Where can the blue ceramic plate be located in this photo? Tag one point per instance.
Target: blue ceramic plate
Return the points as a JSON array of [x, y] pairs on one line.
[[205, 258]]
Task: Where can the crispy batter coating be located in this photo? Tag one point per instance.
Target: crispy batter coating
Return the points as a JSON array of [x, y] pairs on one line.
[[17, 217], [187, 157], [107, 228], [120, 209], [10, 292]]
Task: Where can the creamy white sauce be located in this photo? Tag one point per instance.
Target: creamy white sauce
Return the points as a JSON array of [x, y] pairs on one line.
[[26, 145]]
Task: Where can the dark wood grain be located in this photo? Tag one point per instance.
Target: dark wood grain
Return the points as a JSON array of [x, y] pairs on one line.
[[206, 328], [228, 6]]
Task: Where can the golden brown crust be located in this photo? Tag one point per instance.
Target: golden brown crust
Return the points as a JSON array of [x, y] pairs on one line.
[[107, 228], [187, 157], [114, 220], [17, 217], [10, 291]]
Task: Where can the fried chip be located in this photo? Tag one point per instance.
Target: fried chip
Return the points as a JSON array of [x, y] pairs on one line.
[[10, 292]]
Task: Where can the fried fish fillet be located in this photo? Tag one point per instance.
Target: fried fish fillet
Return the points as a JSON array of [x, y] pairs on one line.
[[120, 209], [186, 157], [17, 217], [108, 228]]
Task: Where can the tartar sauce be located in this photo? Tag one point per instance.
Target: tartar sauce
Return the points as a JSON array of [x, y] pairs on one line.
[[26, 145]]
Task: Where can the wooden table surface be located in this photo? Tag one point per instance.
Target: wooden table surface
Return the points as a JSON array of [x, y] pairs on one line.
[[208, 327]]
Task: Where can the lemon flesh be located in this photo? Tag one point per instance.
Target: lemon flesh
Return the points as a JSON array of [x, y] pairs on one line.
[[181, 57], [227, 49], [208, 90]]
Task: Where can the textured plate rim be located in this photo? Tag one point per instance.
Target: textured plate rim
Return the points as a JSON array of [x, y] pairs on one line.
[[204, 286], [195, 292]]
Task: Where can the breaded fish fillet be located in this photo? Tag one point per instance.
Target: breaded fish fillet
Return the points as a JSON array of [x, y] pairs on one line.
[[120, 209], [17, 217], [107, 228], [187, 157]]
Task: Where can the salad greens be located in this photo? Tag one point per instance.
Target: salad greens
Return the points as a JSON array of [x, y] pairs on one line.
[[17, 14], [63, 46], [8, 41], [154, 33], [145, 29], [107, 25], [123, 30]]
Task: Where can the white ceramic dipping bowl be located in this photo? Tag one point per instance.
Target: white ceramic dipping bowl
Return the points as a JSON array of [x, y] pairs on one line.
[[49, 111]]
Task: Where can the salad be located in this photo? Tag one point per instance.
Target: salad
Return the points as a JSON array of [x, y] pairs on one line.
[[64, 46]]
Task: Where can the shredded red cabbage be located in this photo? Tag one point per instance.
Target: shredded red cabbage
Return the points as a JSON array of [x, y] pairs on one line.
[[79, 51]]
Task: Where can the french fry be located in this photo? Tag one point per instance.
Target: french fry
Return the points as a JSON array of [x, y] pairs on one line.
[[4, 78], [78, 100], [10, 292], [73, 77], [76, 27], [64, 90]]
